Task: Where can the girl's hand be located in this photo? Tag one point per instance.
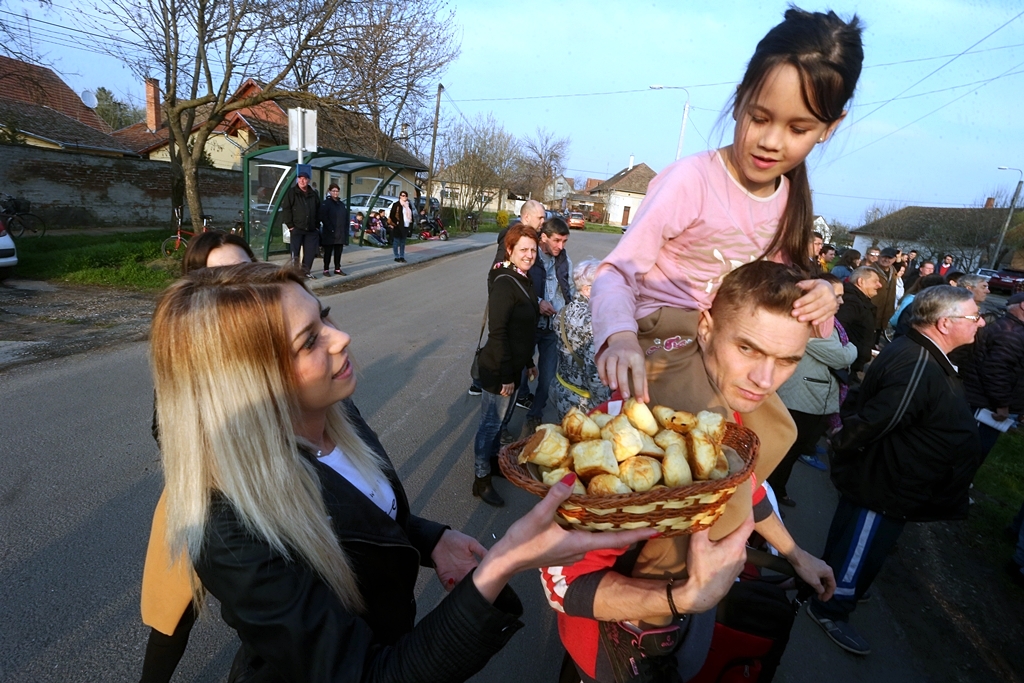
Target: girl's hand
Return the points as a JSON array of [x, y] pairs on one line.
[[454, 556], [818, 305], [620, 358], [537, 541], [506, 389]]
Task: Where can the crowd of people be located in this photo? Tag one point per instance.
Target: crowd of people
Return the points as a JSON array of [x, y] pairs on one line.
[[281, 502]]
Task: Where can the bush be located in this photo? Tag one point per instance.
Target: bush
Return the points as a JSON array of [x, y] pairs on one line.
[[448, 215], [502, 219]]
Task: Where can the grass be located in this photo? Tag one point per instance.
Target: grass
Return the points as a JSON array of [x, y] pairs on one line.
[[122, 260], [998, 492]]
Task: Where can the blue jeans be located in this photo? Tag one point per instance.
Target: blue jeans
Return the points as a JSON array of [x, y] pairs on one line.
[[495, 410], [398, 246], [547, 363]]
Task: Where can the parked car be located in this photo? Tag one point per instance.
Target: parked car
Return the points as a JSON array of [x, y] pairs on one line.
[[577, 221], [1005, 281], [361, 202], [8, 252], [435, 205]]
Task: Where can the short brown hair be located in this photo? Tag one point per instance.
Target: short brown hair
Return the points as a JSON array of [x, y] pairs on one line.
[[515, 233], [761, 285], [198, 250]]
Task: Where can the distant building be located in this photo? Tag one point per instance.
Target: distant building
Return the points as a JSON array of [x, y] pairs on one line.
[[623, 192], [41, 110]]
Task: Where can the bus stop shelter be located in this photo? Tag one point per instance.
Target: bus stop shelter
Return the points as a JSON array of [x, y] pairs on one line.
[[268, 173]]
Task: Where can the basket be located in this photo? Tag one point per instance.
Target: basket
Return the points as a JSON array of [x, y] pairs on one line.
[[16, 205], [673, 512]]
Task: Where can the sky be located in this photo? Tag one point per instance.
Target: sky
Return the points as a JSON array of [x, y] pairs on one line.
[[954, 67]]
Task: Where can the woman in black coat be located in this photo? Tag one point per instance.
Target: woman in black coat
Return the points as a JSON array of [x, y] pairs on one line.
[[334, 225], [282, 500], [512, 313]]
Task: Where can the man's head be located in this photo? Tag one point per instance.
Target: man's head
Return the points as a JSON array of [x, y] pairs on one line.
[[816, 241], [887, 257], [947, 260], [927, 268], [912, 254], [946, 315], [303, 179], [828, 252], [866, 280], [532, 214], [553, 236], [750, 341], [872, 256], [1015, 306], [977, 285]]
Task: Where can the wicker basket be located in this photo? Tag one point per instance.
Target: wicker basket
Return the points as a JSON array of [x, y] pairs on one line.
[[673, 512]]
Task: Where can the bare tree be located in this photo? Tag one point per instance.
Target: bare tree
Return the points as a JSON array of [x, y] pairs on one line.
[[479, 161], [543, 158], [840, 236]]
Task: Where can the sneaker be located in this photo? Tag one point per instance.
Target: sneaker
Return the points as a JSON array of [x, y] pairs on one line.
[[474, 390], [814, 461], [864, 599], [526, 403], [529, 427], [842, 633], [310, 276], [506, 437], [640, 656], [339, 271], [327, 273]]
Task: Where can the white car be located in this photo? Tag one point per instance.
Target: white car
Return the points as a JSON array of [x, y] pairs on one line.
[[361, 202], [8, 252]]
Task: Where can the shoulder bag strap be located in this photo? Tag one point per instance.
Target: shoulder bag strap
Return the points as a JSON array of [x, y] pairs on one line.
[[565, 339], [483, 325]]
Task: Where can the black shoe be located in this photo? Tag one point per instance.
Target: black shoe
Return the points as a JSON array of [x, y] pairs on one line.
[[841, 632], [339, 271], [529, 427], [403, 260], [641, 656], [787, 501], [398, 260], [506, 437], [526, 403], [496, 468], [483, 490], [475, 390]]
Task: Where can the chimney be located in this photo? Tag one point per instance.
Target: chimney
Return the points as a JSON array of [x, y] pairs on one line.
[[153, 116], [990, 203], [630, 163]]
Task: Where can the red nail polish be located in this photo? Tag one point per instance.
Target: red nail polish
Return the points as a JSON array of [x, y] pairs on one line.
[[657, 535], [569, 479]]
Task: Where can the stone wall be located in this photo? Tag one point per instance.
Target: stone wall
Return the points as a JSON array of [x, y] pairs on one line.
[[71, 189]]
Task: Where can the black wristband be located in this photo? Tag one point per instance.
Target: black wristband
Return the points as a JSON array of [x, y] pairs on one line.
[[671, 602]]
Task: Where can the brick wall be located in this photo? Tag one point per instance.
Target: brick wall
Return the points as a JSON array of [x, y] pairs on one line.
[[70, 189]]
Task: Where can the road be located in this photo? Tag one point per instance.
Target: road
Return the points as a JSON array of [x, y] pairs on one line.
[[79, 477]]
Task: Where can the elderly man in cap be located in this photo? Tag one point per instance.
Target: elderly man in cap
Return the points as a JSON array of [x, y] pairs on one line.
[[907, 452], [885, 299], [300, 209]]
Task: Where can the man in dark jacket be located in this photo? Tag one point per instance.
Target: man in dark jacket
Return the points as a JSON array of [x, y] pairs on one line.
[[334, 225], [300, 210], [994, 374], [885, 299], [402, 219], [857, 314], [907, 452]]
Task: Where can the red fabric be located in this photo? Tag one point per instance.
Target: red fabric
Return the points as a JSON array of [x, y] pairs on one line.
[[728, 645]]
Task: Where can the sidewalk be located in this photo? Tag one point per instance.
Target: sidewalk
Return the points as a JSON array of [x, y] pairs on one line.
[[359, 262]]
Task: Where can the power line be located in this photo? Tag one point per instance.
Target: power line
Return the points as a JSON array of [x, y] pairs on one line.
[[952, 87], [929, 59], [30, 20], [933, 72], [883, 199], [959, 97], [584, 94]]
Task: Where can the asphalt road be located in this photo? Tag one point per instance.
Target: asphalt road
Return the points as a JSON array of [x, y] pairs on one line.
[[79, 477]]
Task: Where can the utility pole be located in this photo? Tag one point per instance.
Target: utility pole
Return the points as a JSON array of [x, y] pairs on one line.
[[433, 145], [1009, 216]]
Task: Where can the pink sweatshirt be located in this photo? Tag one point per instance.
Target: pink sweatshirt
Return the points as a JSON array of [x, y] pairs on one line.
[[696, 224]]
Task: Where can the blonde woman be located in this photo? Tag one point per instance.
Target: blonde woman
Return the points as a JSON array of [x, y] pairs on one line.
[[283, 501]]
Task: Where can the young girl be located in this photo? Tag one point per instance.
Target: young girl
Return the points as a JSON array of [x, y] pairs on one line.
[[706, 215]]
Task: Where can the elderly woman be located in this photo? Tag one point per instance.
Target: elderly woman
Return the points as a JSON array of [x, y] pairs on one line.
[[512, 313], [282, 500], [576, 381]]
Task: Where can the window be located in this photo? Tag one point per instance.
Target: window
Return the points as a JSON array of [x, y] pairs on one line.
[[393, 189]]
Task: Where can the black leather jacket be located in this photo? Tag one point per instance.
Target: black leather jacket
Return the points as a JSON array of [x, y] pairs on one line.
[[909, 447], [293, 628]]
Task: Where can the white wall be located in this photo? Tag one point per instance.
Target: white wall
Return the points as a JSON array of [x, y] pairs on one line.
[[620, 200]]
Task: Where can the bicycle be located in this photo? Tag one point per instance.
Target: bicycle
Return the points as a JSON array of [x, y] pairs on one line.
[[172, 244], [19, 221]]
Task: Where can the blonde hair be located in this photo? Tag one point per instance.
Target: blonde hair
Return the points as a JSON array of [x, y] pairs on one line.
[[225, 395]]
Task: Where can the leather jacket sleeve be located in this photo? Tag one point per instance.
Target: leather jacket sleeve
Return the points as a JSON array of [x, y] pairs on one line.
[[288, 617]]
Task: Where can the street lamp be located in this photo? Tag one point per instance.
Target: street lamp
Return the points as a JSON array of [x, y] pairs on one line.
[[686, 114], [1009, 215]]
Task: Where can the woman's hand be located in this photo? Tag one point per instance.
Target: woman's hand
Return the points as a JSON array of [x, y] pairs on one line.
[[814, 572], [818, 305], [454, 556], [506, 389], [621, 357], [537, 541]]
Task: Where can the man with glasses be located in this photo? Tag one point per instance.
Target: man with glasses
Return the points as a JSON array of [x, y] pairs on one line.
[[907, 452]]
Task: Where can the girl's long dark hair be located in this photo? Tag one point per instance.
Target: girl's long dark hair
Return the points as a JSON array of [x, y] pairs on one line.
[[828, 54]]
